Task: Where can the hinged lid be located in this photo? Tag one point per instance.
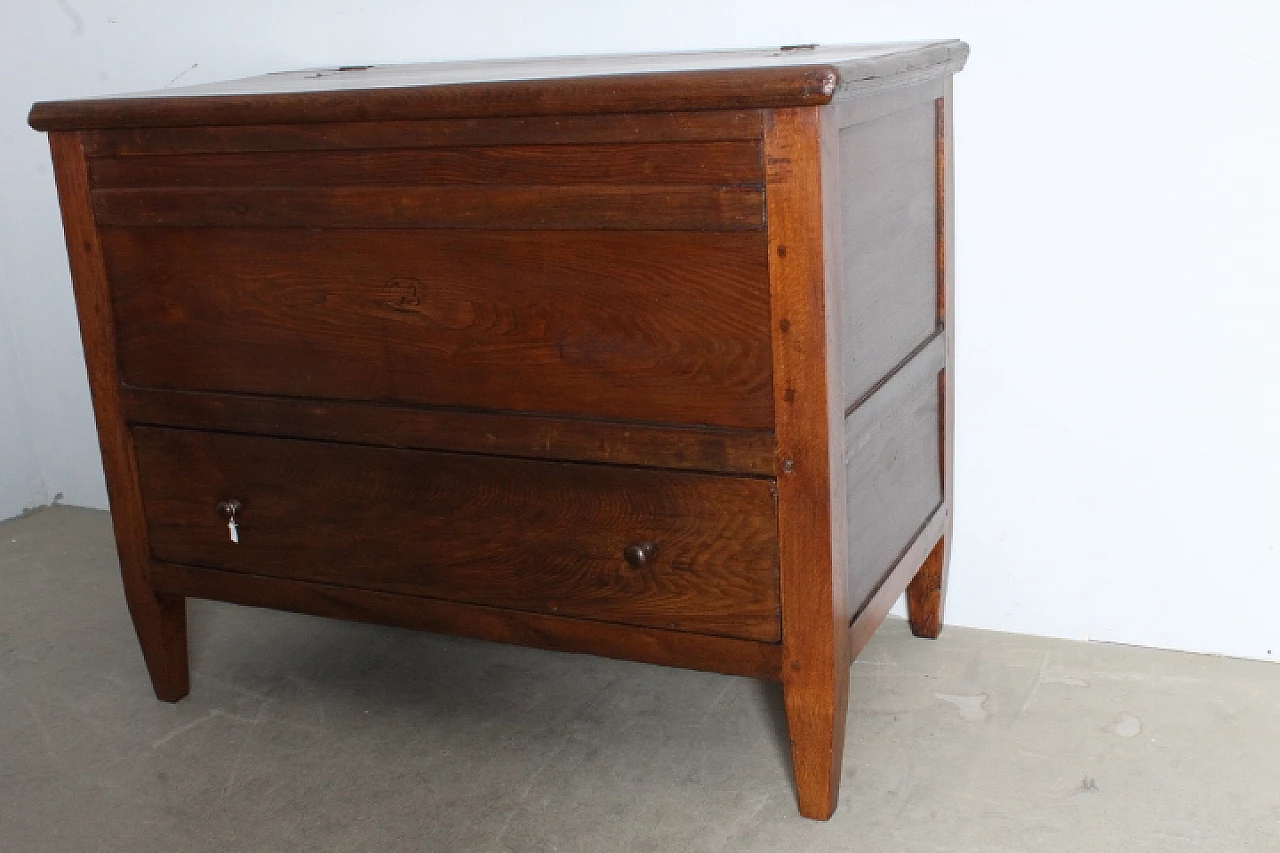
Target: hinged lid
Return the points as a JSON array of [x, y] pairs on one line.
[[797, 75]]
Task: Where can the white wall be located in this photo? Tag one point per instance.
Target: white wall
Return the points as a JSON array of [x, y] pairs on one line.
[[1118, 277], [22, 483]]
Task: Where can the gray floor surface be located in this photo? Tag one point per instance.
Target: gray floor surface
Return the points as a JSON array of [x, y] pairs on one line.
[[307, 734]]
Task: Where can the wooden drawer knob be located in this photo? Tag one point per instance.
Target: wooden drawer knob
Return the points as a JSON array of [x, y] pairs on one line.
[[640, 554]]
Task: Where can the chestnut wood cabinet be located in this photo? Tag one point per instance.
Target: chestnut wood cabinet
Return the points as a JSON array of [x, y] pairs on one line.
[[640, 356]]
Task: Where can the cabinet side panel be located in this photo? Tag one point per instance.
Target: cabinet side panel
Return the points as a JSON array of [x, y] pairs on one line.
[[894, 470], [888, 202]]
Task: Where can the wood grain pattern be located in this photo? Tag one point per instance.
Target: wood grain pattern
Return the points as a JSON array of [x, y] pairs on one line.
[[591, 206], [925, 594], [802, 178], [159, 619], [708, 126], [888, 210], [662, 327], [894, 469], [710, 80], [697, 163], [625, 642], [537, 536], [503, 434]]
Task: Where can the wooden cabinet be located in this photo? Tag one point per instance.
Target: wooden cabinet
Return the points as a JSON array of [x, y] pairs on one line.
[[641, 356]]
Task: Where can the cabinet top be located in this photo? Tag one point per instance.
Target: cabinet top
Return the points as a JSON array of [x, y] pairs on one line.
[[796, 75]]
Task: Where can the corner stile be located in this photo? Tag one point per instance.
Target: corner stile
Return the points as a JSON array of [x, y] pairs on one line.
[[802, 183]]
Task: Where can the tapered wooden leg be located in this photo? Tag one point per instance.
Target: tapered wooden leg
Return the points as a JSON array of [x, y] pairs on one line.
[[802, 185], [160, 620], [927, 593], [161, 624], [816, 710]]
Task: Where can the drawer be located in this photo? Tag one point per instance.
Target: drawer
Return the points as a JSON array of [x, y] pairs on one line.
[[669, 327], [527, 535]]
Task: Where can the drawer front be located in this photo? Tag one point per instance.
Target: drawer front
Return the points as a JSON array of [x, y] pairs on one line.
[[667, 327], [527, 535]]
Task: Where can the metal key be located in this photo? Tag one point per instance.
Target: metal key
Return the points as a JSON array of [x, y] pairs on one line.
[[228, 510]]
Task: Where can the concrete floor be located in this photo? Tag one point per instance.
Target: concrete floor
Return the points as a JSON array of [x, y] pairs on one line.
[[309, 735]]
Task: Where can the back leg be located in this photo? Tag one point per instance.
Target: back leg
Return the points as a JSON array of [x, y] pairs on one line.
[[927, 592]]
